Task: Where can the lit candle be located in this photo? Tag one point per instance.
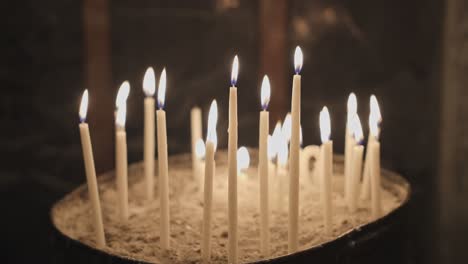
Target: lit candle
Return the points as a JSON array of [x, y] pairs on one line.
[[200, 151], [163, 163], [294, 150], [196, 134], [122, 95], [210, 167], [374, 165], [374, 111], [148, 145], [326, 159], [232, 166], [263, 169], [356, 163], [276, 147], [286, 128], [349, 144], [121, 162], [243, 161], [282, 161], [91, 173]]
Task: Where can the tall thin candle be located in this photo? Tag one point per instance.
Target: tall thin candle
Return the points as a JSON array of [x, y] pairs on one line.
[[232, 166], [263, 169], [91, 173], [294, 159], [374, 166], [196, 134], [210, 168], [149, 83], [163, 164], [374, 111], [349, 145], [121, 162], [356, 163], [326, 159]]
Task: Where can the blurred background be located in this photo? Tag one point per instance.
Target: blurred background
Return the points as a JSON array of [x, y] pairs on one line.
[[413, 55]]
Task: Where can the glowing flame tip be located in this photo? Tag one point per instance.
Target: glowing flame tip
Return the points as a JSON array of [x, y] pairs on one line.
[[149, 82], [122, 94], [298, 59], [243, 158], [325, 126], [265, 92], [162, 89], [234, 71], [84, 106]]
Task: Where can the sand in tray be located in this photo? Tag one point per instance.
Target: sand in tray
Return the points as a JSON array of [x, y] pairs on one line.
[[139, 237]]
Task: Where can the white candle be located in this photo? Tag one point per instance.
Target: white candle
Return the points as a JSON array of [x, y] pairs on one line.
[[326, 159], [263, 169], [374, 111], [349, 145], [210, 167], [148, 144], [196, 134], [121, 162], [356, 163], [274, 148], [91, 173], [232, 166], [163, 164], [307, 153], [294, 150], [200, 151], [374, 166], [281, 180]]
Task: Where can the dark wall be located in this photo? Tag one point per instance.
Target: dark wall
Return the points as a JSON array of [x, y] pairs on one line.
[[387, 48]]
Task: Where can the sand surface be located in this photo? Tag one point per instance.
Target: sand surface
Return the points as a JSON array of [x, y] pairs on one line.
[[139, 237]]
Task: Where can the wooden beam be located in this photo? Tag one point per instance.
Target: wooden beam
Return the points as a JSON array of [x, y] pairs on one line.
[[98, 80], [273, 46]]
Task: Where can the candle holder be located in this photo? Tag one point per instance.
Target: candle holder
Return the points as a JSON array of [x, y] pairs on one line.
[[365, 243]]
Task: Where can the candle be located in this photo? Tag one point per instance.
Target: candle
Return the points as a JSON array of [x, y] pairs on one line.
[[200, 151], [271, 168], [148, 145], [349, 144], [286, 128], [210, 166], [356, 162], [122, 95], [307, 153], [232, 166], [196, 134], [294, 149], [163, 164], [374, 111], [121, 162], [326, 159], [263, 169], [91, 173], [374, 164], [282, 161], [276, 148]]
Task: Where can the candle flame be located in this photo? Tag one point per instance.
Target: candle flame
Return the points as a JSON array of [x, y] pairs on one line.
[[212, 121], [282, 148], [234, 71], [200, 148], [325, 126], [273, 145], [271, 150], [149, 82], [356, 129], [265, 92], [286, 129], [243, 159], [122, 94], [375, 117], [162, 89], [352, 107], [374, 108], [121, 115], [300, 135], [298, 58], [84, 106]]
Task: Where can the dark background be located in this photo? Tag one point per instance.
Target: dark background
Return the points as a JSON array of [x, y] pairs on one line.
[[410, 54]]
